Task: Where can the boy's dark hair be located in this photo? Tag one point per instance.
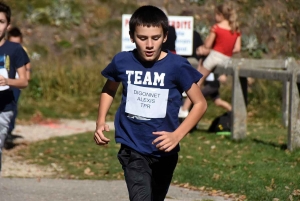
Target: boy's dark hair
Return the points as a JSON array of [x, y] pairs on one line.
[[6, 10], [149, 16], [14, 32]]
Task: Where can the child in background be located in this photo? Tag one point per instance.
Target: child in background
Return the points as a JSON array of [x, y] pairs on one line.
[[223, 40], [15, 35], [146, 123], [12, 61], [170, 43]]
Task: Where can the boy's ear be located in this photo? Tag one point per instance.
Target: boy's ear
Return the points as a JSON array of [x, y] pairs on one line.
[[131, 37], [166, 37], [8, 27]]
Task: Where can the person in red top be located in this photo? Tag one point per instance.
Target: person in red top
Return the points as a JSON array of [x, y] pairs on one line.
[[222, 42]]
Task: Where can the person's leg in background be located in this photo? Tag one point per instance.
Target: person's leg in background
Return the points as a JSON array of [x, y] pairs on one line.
[[224, 104], [10, 137], [5, 118]]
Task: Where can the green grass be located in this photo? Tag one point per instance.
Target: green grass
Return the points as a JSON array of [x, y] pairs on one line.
[[64, 87], [259, 167]]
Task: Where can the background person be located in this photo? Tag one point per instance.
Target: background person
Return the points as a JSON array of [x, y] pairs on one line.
[[171, 40], [170, 43], [15, 35], [223, 40]]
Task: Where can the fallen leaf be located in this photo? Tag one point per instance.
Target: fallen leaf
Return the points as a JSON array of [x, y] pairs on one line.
[[88, 171]]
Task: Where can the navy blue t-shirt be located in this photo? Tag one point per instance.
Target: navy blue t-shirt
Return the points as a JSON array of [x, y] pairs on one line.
[[12, 57], [173, 74]]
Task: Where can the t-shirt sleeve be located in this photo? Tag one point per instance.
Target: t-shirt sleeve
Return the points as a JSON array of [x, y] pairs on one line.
[[214, 28], [110, 72], [26, 57], [187, 75], [19, 57]]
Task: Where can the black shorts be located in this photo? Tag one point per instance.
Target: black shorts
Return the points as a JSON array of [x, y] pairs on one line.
[[210, 91], [147, 178]]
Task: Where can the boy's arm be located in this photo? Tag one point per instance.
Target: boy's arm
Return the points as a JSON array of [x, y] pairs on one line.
[[196, 113], [106, 98], [20, 83], [28, 70], [168, 141]]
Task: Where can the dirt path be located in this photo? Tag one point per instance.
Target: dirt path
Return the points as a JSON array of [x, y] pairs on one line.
[[12, 166]]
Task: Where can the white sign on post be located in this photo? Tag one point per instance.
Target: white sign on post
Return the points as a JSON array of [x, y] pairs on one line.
[[183, 25], [127, 45]]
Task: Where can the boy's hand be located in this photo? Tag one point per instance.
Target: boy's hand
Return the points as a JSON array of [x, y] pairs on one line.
[[3, 81], [166, 141], [99, 137]]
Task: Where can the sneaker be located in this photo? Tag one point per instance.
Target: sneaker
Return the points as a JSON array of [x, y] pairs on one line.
[[10, 140], [183, 113]]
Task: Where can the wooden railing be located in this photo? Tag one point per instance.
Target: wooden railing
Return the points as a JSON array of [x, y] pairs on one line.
[[287, 71]]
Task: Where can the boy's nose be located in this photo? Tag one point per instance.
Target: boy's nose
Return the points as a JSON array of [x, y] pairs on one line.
[[149, 43]]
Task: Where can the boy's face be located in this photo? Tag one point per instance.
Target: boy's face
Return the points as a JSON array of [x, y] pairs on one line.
[[3, 25], [148, 41], [15, 39]]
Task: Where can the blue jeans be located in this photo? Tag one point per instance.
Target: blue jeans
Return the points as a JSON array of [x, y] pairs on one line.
[[17, 93], [148, 178]]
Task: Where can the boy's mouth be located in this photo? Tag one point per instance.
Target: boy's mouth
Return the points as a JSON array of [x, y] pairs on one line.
[[149, 53]]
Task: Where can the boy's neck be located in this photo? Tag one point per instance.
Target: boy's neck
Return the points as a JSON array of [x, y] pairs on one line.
[[2, 41], [150, 63]]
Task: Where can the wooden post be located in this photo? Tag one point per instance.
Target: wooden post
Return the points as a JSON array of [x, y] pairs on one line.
[[285, 103], [239, 111], [286, 96], [294, 110]]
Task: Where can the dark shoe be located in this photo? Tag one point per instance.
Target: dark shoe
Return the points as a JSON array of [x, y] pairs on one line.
[[9, 141], [16, 136]]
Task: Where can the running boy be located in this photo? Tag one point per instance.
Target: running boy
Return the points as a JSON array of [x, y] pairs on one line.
[[15, 35], [11, 62], [146, 123]]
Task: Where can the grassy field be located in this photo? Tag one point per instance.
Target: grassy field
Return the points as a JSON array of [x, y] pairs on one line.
[[259, 167]]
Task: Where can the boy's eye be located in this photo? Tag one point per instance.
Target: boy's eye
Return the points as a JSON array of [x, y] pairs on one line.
[[145, 38], [142, 38]]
